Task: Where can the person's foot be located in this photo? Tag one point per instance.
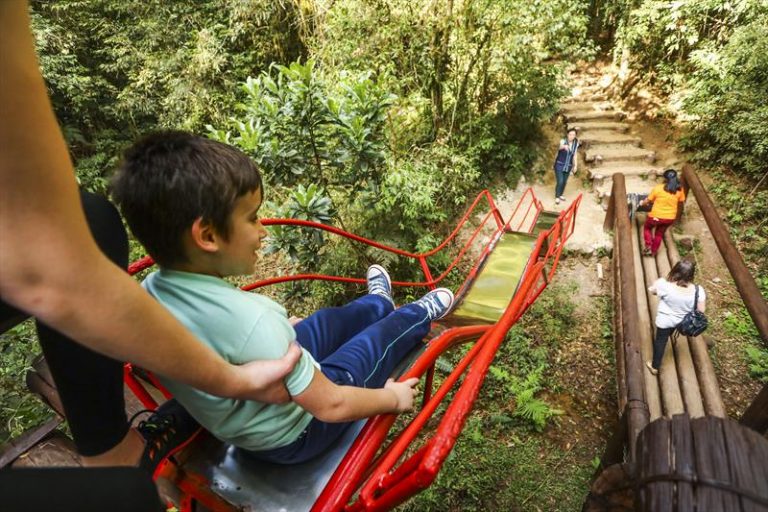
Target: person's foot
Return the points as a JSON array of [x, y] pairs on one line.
[[437, 303], [653, 370], [379, 282], [167, 431], [647, 252], [557, 200], [562, 198]]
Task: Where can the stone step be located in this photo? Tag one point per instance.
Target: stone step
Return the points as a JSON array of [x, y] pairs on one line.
[[593, 115], [585, 126], [587, 106], [602, 156], [606, 138], [634, 184], [627, 168], [578, 98]]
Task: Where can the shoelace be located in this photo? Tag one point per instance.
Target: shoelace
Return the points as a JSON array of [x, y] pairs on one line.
[[378, 285], [433, 305]]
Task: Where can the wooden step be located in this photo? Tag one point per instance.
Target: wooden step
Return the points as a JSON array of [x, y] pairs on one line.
[[586, 115], [586, 126], [602, 156]]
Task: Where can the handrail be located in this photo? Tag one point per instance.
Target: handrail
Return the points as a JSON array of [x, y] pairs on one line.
[[387, 485]]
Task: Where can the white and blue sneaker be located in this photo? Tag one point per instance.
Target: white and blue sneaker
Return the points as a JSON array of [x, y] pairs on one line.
[[379, 282], [438, 303]]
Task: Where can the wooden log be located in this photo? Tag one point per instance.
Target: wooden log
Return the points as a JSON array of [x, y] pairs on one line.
[[651, 383], [709, 451], [739, 452], [636, 405], [756, 415], [745, 283], [671, 399], [27, 440], [657, 461], [683, 465], [618, 335], [705, 371], [686, 373], [55, 451]]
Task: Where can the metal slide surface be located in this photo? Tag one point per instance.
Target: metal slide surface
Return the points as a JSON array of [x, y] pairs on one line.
[[494, 287]]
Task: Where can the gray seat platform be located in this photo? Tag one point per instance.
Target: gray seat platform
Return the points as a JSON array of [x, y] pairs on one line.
[[253, 485]]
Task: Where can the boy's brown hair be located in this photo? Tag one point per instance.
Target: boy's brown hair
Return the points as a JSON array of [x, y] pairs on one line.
[[167, 180]]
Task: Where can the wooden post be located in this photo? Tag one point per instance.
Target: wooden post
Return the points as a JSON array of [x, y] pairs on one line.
[[756, 415], [705, 371], [618, 335], [745, 283], [637, 408]]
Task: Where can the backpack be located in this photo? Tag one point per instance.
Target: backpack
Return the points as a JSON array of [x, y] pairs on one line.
[[694, 322]]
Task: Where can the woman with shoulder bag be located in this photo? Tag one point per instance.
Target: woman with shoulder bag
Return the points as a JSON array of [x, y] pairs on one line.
[[679, 302]]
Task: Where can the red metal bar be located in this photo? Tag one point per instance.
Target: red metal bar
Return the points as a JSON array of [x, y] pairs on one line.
[[427, 272], [137, 388]]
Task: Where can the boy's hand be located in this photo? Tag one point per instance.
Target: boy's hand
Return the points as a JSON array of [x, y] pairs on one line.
[[404, 392], [294, 320], [264, 379]]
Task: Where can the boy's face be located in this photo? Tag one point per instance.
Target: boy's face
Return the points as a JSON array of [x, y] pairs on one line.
[[571, 136], [238, 254]]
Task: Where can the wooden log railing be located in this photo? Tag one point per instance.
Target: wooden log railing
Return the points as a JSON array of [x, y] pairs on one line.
[[756, 414], [636, 408]]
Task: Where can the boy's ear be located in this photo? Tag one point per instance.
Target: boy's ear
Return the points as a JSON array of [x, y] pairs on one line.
[[204, 236]]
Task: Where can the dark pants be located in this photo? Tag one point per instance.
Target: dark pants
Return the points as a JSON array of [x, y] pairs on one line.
[[78, 490], [659, 344], [561, 178], [90, 385], [358, 344], [659, 226]]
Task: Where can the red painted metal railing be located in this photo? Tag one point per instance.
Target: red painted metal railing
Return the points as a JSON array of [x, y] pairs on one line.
[[380, 483]]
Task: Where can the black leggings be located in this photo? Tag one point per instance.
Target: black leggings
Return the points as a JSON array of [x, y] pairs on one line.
[[90, 385]]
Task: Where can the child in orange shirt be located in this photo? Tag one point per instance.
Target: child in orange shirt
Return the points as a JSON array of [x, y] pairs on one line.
[[665, 198]]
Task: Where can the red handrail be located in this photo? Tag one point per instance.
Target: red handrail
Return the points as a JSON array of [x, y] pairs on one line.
[[384, 484]]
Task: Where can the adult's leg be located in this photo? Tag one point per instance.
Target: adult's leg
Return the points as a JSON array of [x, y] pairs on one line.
[[90, 385], [658, 235], [659, 344], [368, 358], [323, 332], [559, 183], [647, 231]]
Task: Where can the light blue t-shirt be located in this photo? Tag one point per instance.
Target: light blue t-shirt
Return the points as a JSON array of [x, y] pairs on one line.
[[241, 327]]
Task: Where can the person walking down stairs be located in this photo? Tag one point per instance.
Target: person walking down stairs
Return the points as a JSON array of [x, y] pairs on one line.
[[565, 163]]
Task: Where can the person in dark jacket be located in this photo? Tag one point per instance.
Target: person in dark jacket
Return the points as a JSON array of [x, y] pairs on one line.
[[565, 163]]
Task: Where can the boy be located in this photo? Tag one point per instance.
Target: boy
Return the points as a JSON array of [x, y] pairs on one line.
[[193, 203]]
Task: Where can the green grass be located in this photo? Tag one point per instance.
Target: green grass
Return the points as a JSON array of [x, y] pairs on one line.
[[20, 410], [507, 460]]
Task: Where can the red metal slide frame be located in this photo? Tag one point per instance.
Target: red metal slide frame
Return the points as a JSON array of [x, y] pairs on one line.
[[380, 482]]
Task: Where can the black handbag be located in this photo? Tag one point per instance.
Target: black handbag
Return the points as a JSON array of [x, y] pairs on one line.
[[694, 322]]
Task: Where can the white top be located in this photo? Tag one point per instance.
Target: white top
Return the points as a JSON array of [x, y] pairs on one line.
[[674, 302]]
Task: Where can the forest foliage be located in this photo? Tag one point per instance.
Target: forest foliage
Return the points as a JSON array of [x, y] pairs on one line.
[[388, 115]]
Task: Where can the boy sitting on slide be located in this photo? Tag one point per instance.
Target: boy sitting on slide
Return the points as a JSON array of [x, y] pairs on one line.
[[193, 203]]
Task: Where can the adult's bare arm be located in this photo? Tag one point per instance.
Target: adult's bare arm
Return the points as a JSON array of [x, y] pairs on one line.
[[50, 265]]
